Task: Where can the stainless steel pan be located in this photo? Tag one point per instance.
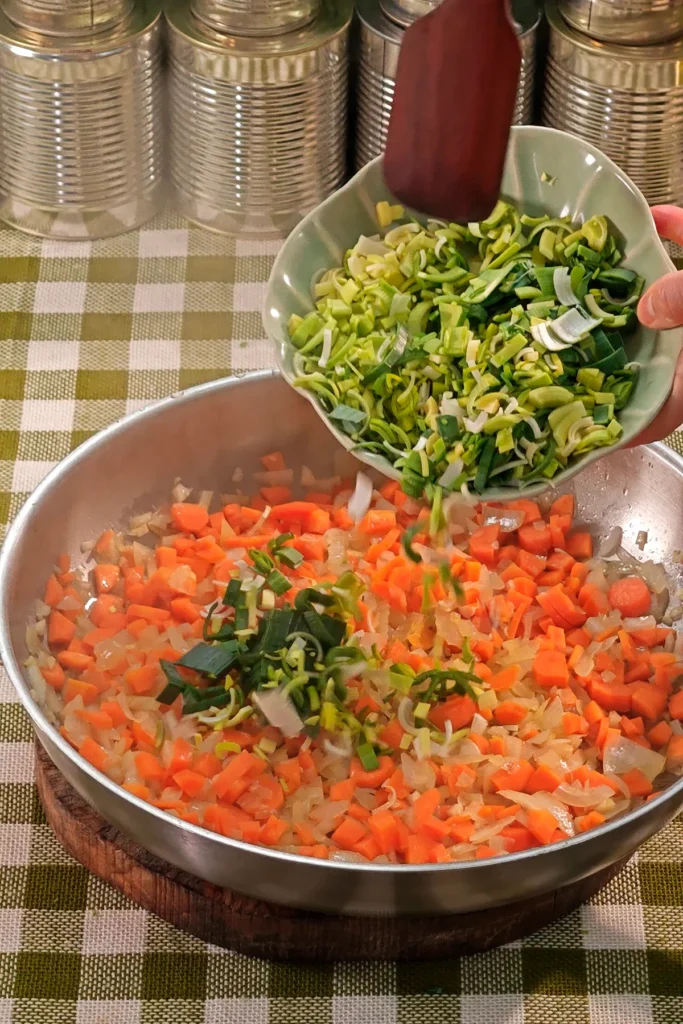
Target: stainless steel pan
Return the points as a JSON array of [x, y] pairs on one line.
[[202, 436]]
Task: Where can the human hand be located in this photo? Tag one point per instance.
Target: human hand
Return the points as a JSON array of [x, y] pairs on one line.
[[662, 308]]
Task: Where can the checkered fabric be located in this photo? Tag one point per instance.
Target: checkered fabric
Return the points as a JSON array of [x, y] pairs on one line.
[[88, 332]]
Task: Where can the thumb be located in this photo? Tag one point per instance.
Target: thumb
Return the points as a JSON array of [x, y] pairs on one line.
[[662, 305]]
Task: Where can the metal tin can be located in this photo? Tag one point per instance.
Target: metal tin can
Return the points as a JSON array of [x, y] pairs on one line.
[[626, 22], [379, 45], [257, 126], [255, 17], [67, 17], [81, 128], [628, 101]]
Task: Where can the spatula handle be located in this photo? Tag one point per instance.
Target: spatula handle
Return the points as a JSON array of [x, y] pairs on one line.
[[454, 102]]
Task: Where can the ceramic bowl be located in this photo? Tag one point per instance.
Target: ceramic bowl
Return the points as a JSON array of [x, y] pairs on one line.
[[546, 171]]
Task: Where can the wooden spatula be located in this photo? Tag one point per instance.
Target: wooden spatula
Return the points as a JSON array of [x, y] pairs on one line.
[[454, 102]]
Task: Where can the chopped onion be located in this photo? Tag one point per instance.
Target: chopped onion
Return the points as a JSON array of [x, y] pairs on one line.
[[576, 796], [621, 754], [611, 544], [360, 500], [507, 519]]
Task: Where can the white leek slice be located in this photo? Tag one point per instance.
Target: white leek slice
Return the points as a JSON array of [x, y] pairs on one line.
[[563, 288], [451, 474], [360, 500], [370, 247], [476, 426], [543, 333], [573, 326], [327, 348]]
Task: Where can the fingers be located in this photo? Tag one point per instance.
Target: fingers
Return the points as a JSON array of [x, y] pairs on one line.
[[671, 416], [661, 307], [669, 222]]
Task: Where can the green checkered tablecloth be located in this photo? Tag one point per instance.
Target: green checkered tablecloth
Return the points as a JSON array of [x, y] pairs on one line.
[[88, 332]]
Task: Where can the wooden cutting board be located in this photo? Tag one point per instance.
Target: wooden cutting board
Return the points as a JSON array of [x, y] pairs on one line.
[[260, 929]]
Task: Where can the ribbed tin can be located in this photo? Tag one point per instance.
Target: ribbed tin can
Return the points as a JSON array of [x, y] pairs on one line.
[[257, 126], [628, 101], [379, 43], [625, 22], [67, 17], [255, 17], [81, 129]]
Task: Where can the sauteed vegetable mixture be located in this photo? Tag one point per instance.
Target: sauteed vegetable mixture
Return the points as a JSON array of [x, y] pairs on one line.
[[360, 677]]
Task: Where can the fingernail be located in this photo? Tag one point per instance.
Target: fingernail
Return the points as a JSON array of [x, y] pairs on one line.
[[646, 310]]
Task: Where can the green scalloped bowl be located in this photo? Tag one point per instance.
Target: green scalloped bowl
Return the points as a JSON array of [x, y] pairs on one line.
[[584, 183]]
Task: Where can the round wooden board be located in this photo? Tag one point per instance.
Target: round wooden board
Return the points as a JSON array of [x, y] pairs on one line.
[[249, 926]]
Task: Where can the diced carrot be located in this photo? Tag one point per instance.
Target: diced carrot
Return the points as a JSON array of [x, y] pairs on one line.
[[78, 687], [593, 600], [343, 790], [593, 819], [513, 775], [563, 506], [496, 745], [149, 766], [543, 780], [676, 706], [155, 616], [542, 825], [457, 710], [94, 753], [593, 713], [648, 701], [483, 544], [188, 517], [137, 789], [54, 592], [517, 838], [630, 596], [562, 609], [54, 676], [106, 577], [674, 753], [273, 462], [374, 778], [243, 764], [264, 794], [74, 661], [419, 849], [60, 630], [379, 547], [184, 610], [550, 669], [530, 509], [383, 829], [505, 678], [612, 696], [348, 833], [638, 784], [377, 521], [273, 830], [142, 679], [579, 545], [510, 712], [535, 538], [574, 725], [190, 782], [290, 772], [97, 719], [480, 741], [660, 734]]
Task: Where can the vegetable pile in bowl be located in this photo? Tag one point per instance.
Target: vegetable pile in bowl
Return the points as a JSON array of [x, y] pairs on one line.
[[489, 358], [472, 353], [355, 676]]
